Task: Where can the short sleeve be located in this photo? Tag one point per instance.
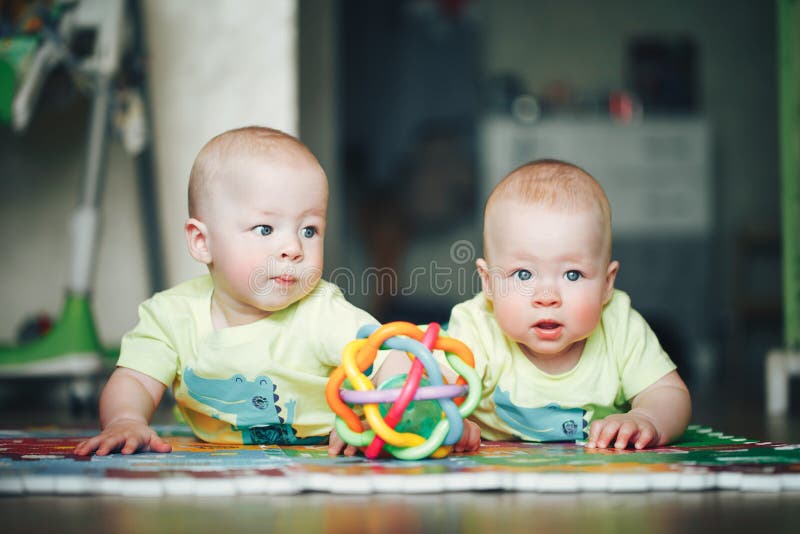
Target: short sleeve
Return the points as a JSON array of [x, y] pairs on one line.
[[641, 360], [147, 348], [338, 321], [465, 326]]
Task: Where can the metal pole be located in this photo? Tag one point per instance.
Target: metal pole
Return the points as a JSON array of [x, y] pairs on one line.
[[86, 219], [789, 117]]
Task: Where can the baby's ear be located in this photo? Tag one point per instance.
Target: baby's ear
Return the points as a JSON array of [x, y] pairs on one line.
[[483, 272], [611, 276], [197, 239]]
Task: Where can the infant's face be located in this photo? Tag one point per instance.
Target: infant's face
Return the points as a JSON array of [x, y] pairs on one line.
[[547, 276], [266, 222]]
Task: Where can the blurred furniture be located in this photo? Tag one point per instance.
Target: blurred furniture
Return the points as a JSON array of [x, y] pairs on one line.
[[657, 175], [783, 363]]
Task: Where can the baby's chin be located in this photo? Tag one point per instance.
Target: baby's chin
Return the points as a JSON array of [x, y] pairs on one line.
[[541, 353], [545, 350], [306, 290]]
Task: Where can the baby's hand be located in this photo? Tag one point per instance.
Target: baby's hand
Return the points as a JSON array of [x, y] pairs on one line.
[[337, 446], [125, 435], [470, 439], [623, 429]]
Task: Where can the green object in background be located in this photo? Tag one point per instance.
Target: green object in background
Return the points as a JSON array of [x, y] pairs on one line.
[[73, 333], [15, 54], [788, 14]]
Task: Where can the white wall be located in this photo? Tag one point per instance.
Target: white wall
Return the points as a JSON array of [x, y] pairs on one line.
[[214, 66]]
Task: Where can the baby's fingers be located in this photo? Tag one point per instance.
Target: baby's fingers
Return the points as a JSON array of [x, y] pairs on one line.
[[470, 438], [627, 432], [87, 446], [335, 444], [158, 444], [126, 443], [602, 433], [646, 436], [101, 445]]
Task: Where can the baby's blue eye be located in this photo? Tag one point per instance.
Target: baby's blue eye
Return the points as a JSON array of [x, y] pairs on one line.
[[309, 232], [523, 274], [263, 229], [572, 276]]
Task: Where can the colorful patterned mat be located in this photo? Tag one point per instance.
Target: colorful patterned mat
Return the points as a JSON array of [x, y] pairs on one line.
[[41, 462]]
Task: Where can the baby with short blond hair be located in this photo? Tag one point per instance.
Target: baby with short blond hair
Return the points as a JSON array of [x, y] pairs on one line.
[[559, 350], [247, 349], [553, 184]]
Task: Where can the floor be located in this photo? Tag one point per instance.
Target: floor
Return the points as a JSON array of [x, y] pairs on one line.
[[734, 407]]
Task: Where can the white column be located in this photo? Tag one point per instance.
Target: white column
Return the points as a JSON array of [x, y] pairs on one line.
[[213, 65]]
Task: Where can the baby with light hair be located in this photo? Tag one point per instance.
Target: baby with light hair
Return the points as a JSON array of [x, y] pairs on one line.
[[562, 354], [247, 348]]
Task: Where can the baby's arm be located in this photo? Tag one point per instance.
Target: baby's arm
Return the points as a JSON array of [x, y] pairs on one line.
[[126, 406], [658, 415]]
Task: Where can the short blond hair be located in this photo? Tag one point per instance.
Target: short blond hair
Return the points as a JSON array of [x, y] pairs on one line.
[[221, 151], [554, 184]]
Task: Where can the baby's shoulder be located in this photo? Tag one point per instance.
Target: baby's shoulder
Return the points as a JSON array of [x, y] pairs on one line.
[[474, 319], [617, 309], [183, 297], [326, 307], [620, 323], [478, 306]]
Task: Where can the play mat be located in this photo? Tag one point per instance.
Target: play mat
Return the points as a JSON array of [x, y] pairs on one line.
[[40, 461]]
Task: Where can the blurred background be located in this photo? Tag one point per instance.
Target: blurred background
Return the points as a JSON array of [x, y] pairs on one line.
[[416, 108]]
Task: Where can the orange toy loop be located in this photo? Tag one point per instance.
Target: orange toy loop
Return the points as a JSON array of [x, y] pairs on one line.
[[335, 382]]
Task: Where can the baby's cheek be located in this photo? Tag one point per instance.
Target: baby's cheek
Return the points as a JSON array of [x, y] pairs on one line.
[[252, 274], [586, 314], [509, 318]]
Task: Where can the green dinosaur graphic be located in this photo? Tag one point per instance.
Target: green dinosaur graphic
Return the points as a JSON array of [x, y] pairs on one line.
[[253, 403]]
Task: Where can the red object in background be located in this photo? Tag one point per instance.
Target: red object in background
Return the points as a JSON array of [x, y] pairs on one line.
[[621, 106], [453, 8], [34, 328]]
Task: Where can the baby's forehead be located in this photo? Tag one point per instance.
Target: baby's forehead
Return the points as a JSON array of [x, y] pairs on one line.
[[263, 151], [285, 153], [510, 207], [508, 220], [274, 166]]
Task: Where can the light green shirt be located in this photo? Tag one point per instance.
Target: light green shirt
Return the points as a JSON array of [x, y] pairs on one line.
[[257, 383], [621, 358]]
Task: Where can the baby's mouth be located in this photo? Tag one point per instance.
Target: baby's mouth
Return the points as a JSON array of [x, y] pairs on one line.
[[548, 329], [285, 279]]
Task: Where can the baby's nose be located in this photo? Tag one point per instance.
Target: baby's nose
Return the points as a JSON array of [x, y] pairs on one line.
[[546, 296], [292, 250]]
